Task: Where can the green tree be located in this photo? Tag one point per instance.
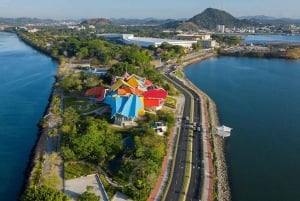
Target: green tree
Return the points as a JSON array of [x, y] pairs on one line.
[[43, 193], [83, 53], [196, 46], [88, 196]]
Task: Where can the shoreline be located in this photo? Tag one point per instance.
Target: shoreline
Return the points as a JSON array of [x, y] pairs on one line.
[[38, 150], [221, 182]]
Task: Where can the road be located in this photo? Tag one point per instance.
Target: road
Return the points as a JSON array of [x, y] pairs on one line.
[[176, 185], [194, 189], [197, 169]]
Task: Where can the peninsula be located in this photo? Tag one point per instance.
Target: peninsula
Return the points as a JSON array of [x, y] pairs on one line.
[[123, 120]]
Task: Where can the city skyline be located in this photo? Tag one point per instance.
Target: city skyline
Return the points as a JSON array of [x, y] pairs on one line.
[[76, 9]]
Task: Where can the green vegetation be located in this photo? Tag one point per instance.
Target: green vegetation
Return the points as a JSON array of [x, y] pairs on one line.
[[110, 190], [179, 73], [227, 40], [81, 105], [78, 169], [76, 82], [88, 141], [42, 193], [88, 196], [51, 178], [167, 51], [171, 102]]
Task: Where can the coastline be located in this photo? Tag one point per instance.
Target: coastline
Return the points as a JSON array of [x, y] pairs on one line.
[[221, 183], [36, 159]]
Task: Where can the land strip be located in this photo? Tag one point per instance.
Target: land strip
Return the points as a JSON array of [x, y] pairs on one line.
[[213, 147]]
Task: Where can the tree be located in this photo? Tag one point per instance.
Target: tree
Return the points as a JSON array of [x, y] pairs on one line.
[[196, 46], [83, 53], [43, 193], [92, 80], [88, 196]]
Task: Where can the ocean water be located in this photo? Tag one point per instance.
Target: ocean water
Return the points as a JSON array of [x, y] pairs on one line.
[[26, 79], [260, 100], [263, 39]]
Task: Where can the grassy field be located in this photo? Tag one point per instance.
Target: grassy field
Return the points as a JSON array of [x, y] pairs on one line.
[[80, 104], [178, 73]]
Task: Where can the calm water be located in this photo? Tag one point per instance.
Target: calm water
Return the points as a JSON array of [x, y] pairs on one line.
[[26, 80], [260, 99], [262, 39]]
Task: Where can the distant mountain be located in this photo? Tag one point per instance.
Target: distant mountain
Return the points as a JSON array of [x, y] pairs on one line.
[[146, 21], [257, 17], [24, 21], [97, 22], [271, 20], [211, 17]]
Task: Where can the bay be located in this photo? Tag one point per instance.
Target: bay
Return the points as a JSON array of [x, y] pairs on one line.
[[259, 99], [263, 39], [26, 81]]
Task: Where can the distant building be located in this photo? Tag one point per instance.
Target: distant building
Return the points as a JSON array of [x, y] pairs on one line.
[[34, 30], [198, 36], [91, 27], [97, 71], [208, 43], [220, 28]]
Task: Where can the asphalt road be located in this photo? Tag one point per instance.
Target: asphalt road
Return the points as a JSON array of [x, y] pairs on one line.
[[194, 192], [180, 160]]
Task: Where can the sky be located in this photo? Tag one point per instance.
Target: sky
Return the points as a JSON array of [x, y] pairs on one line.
[[161, 9]]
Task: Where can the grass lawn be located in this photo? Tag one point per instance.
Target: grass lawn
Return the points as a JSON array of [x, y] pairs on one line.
[[178, 73], [80, 104], [75, 170]]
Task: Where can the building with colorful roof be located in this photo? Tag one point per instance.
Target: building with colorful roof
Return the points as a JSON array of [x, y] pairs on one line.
[[96, 93], [129, 96]]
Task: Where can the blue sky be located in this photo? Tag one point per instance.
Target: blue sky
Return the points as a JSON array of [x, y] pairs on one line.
[[77, 9]]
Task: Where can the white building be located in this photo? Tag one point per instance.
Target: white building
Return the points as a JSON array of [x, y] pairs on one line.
[[34, 30], [198, 36], [146, 42], [220, 28]]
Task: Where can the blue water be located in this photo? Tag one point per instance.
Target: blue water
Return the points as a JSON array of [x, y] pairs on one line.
[[26, 79], [259, 99], [262, 39]]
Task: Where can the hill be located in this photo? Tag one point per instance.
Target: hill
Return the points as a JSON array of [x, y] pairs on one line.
[[140, 22], [271, 20], [25, 20], [211, 17], [97, 22]]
